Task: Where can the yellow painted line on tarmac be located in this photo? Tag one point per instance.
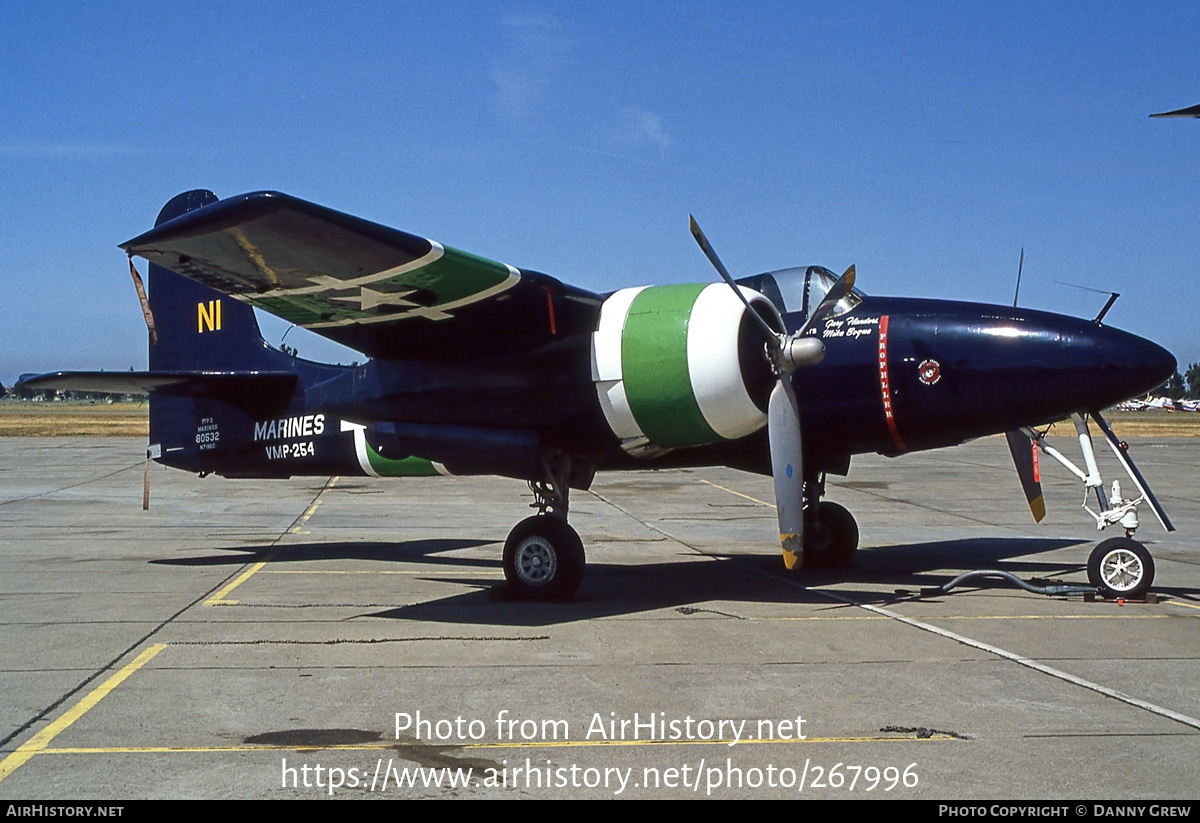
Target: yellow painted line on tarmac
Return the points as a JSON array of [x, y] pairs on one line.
[[210, 749], [313, 508], [1174, 602], [304, 518], [729, 742], [39, 742], [219, 599], [739, 494], [438, 571], [529, 744]]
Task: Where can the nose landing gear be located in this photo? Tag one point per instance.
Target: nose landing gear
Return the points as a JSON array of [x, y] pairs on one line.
[[1119, 567]]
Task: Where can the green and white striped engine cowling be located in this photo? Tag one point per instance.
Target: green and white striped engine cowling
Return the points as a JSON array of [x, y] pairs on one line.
[[678, 366]]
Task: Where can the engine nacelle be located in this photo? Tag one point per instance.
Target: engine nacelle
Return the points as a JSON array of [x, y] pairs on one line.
[[685, 365]]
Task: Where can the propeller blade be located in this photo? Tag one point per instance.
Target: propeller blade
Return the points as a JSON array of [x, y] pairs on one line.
[[783, 432], [1024, 455], [708, 250], [711, 254], [840, 289]]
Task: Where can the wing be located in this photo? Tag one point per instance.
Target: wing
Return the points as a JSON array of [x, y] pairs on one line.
[[1190, 111], [379, 290]]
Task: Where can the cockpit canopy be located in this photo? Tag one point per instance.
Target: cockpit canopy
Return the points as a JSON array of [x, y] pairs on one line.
[[800, 290]]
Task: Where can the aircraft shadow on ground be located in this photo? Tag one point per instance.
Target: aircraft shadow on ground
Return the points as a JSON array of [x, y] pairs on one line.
[[412, 551], [610, 590], [690, 582]]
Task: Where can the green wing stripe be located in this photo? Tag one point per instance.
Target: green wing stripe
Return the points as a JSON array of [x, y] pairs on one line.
[[654, 367], [451, 279], [456, 276]]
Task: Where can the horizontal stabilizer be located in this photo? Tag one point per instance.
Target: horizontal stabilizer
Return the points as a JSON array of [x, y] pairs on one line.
[[1024, 454], [248, 390]]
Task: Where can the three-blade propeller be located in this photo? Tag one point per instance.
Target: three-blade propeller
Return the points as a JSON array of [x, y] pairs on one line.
[[786, 353]]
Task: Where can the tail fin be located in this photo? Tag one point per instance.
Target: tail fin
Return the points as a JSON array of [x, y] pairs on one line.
[[199, 329]]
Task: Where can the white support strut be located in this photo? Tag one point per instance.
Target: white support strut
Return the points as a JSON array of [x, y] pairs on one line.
[[1094, 481], [1118, 510]]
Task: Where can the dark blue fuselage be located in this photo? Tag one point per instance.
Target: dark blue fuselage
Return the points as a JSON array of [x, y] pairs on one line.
[[949, 371], [898, 375]]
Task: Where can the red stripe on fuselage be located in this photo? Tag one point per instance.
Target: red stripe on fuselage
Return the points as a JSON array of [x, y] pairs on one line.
[[885, 387], [550, 309]]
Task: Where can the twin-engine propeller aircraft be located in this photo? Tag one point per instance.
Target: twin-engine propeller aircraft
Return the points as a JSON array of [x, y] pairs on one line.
[[476, 367]]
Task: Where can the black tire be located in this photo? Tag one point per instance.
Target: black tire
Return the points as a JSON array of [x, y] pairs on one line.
[[543, 559], [1121, 567], [831, 544]]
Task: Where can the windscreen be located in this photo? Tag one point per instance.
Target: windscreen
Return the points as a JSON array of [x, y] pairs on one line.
[[800, 290]]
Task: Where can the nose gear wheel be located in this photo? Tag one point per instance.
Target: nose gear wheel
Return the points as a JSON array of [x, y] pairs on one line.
[[1121, 567]]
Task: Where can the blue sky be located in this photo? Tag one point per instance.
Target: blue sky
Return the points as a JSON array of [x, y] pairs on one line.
[[924, 142]]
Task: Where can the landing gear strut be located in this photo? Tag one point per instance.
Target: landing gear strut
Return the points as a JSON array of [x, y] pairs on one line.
[[543, 555]]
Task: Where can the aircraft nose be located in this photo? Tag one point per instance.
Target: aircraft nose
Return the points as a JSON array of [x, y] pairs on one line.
[[1157, 361], [1133, 365]]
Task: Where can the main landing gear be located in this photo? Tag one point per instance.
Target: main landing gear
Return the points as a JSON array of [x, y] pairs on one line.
[[830, 531], [543, 559], [543, 555]]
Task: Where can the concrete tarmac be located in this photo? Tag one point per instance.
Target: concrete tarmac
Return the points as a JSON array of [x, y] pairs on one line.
[[351, 637]]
